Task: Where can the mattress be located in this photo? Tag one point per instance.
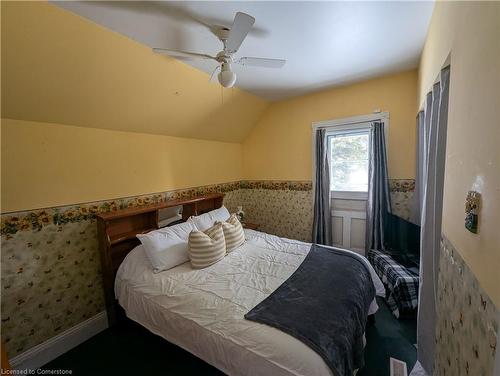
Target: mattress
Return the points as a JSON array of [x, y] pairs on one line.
[[202, 310]]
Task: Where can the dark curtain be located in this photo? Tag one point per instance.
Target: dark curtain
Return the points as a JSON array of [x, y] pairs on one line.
[[378, 206], [322, 222]]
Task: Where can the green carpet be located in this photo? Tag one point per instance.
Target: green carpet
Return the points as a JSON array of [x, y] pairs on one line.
[[389, 337], [130, 349]]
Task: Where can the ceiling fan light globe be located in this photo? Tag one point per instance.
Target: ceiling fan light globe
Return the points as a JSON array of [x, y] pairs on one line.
[[227, 78]]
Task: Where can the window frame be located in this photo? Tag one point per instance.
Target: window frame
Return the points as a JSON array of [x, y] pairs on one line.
[[344, 126]]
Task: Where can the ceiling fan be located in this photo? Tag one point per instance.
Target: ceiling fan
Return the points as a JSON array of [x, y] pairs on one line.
[[231, 38]]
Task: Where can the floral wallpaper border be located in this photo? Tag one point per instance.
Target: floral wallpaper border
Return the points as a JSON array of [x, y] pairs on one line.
[[402, 185], [467, 319], [277, 185], [395, 185], [34, 220]]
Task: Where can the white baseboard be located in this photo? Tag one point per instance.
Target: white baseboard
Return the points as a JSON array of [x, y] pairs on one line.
[[43, 353]]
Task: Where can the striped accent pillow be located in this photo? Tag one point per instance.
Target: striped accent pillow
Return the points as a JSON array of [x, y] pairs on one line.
[[233, 232], [206, 248]]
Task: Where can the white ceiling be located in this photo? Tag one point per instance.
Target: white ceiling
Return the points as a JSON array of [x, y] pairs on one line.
[[325, 43]]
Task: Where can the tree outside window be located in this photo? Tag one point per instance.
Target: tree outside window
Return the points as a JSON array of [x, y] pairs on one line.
[[349, 161]]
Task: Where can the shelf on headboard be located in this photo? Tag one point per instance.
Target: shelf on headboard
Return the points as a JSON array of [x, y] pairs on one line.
[[166, 204], [117, 234], [129, 235]]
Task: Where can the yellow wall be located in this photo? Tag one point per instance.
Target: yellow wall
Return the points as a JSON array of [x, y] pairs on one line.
[[60, 68], [45, 165], [66, 79], [279, 146], [471, 32]]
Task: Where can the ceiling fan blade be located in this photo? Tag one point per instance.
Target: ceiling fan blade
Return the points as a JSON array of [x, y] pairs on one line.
[[241, 26], [261, 62], [182, 53]]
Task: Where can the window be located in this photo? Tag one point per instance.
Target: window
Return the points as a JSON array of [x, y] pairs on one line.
[[349, 161], [349, 150]]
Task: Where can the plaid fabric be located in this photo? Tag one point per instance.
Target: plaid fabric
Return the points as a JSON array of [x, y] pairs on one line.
[[401, 284]]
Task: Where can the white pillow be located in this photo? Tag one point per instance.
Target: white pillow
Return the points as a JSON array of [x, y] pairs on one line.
[[167, 247], [207, 220]]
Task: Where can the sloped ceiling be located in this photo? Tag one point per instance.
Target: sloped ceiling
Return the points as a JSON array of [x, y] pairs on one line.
[[326, 43], [60, 68]]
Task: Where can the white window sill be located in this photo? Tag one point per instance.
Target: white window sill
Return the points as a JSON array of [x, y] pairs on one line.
[[349, 195]]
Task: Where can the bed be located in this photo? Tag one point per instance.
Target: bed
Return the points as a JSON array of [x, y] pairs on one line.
[[202, 310]]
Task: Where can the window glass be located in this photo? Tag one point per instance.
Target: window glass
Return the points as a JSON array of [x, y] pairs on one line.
[[349, 161]]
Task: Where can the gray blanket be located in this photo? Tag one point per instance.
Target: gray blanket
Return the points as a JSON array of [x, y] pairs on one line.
[[325, 305]]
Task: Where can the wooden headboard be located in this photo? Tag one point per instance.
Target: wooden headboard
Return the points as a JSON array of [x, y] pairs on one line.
[[117, 232]]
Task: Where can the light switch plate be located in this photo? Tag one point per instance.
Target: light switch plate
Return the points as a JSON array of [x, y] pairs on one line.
[[472, 206]]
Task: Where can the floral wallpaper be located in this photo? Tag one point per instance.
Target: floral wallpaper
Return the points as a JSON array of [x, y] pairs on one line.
[[284, 212], [50, 263], [466, 332], [50, 281], [284, 208], [402, 197], [402, 185]]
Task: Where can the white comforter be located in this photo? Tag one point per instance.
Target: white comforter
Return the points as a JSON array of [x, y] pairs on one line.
[[202, 310]]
